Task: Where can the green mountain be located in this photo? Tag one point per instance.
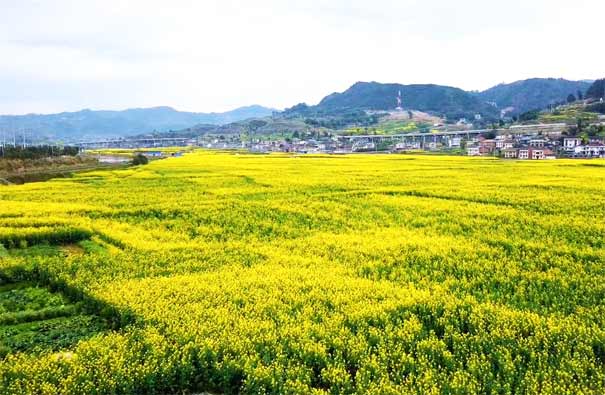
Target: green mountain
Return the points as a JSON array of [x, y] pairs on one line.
[[89, 124], [453, 103], [532, 94]]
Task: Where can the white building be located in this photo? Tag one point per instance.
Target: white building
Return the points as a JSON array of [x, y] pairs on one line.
[[473, 151], [590, 151], [571, 142], [537, 154], [454, 142], [523, 153], [510, 153], [504, 144]]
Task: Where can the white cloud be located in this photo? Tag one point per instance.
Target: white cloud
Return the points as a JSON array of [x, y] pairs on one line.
[[215, 55]]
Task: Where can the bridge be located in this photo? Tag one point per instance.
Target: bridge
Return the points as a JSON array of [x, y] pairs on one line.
[[519, 129], [137, 143]]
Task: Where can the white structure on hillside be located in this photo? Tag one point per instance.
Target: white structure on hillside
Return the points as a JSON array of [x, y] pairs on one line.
[[399, 102]]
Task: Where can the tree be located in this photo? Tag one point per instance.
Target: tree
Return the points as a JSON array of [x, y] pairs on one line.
[[571, 98], [529, 116], [600, 131], [490, 135], [139, 159], [580, 96], [580, 125]]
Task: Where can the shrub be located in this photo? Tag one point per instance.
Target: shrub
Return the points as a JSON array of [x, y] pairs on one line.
[[140, 159]]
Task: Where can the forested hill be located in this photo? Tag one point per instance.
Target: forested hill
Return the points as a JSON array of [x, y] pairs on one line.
[[87, 124], [535, 93], [596, 90], [454, 103], [443, 100]]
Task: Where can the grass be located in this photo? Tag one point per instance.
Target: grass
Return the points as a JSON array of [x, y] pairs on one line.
[[35, 319]]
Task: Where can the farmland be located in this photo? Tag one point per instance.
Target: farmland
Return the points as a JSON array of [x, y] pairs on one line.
[[357, 274]]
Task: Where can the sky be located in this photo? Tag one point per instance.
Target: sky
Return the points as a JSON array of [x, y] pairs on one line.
[[207, 55]]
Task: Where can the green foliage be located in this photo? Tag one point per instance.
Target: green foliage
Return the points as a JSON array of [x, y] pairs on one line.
[[33, 236], [529, 116], [139, 159], [33, 319], [596, 90], [36, 152], [596, 107], [342, 120]]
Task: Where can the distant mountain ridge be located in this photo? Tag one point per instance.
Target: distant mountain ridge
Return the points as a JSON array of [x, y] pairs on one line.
[[91, 124], [353, 107]]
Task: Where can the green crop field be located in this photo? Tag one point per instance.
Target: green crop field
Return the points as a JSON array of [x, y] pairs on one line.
[[359, 274]]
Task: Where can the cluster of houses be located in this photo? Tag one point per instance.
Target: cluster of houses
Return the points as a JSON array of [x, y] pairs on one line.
[[533, 142], [528, 146], [575, 148], [303, 146], [533, 147], [309, 146]]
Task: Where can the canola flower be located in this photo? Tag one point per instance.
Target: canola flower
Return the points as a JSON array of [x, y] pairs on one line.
[[359, 274]]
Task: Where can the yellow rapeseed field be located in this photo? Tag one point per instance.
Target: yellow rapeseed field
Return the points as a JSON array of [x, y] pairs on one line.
[[353, 274]]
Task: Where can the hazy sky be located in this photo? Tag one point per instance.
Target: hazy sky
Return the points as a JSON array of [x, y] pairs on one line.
[[205, 55]]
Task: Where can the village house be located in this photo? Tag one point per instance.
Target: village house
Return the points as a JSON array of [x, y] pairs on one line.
[[509, 153], [531, 153], [487, 146], [589, 151], [523, 153], [571, 142], [504, 143], [549, 154], [473, 151], [431, 146], [536, 154], [454, 142]]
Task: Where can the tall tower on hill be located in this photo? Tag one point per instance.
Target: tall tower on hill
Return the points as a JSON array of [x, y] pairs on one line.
[[399, 102]]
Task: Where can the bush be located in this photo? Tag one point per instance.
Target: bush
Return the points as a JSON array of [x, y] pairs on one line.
[[140, 159], [596, 107]]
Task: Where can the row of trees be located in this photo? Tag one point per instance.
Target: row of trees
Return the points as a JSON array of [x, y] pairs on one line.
[[36, 152]]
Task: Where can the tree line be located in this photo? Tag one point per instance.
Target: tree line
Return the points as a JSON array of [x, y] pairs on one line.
[[36, 152]]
